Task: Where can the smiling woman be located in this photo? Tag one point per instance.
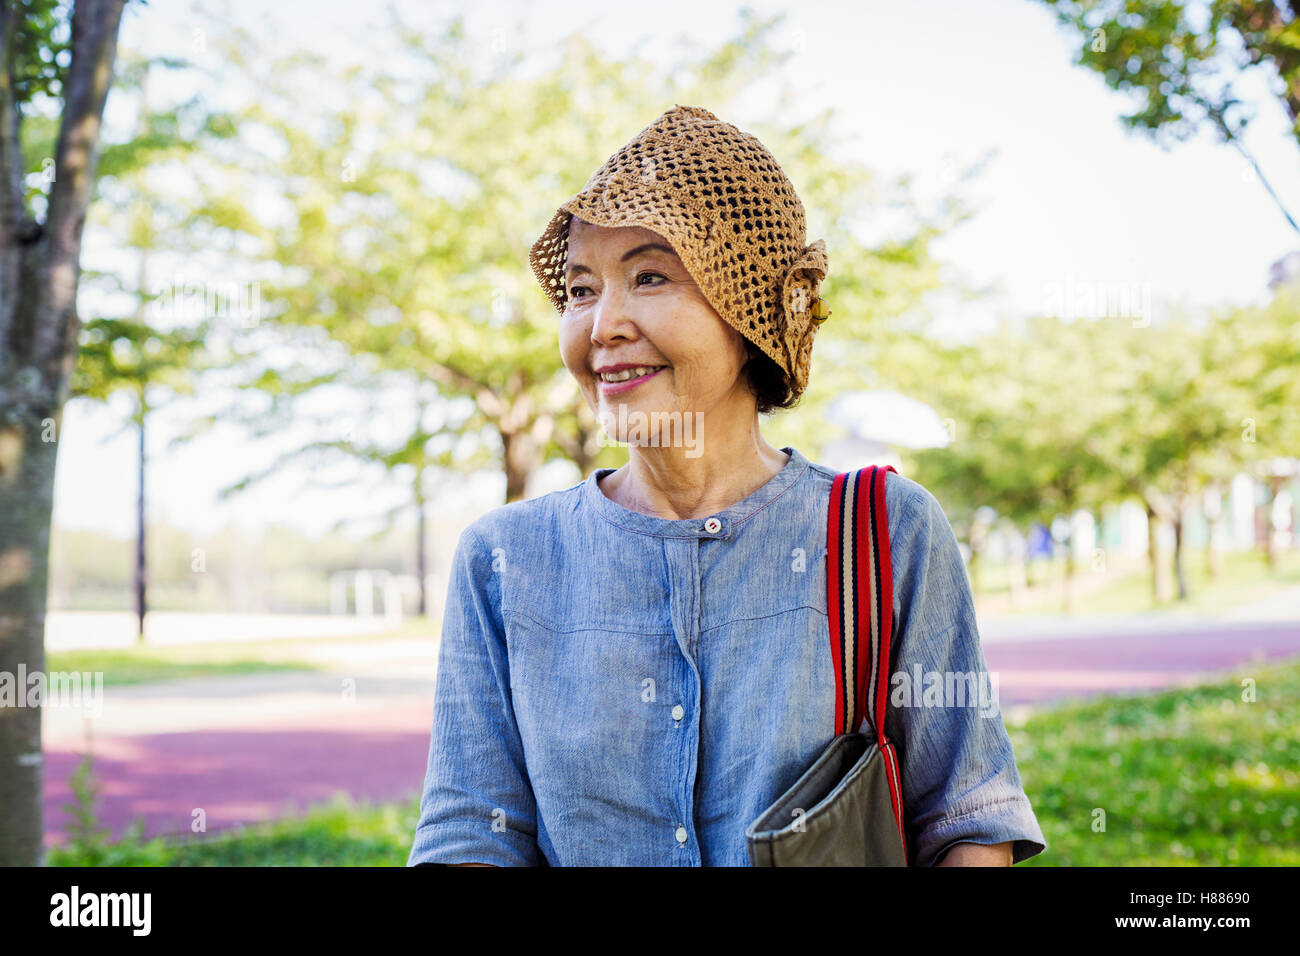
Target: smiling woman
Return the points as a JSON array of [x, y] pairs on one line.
[[633, 669], [670, 287], [638, 332]]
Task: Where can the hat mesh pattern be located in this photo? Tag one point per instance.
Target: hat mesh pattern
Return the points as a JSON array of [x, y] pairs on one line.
[[724, 204]]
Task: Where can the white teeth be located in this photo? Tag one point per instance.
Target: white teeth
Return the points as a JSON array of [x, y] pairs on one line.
[[628, 373]]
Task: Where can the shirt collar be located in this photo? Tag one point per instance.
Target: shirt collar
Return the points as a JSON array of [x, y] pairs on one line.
[[705, 527]]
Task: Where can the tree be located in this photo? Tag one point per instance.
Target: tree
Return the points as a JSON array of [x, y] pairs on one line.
[[426, 451], [411, 198], [128, 355], [44, 65], [1055, 416], [1177, 433], [1179, 59], [1026, 406], [1259, 350], [132, 355]]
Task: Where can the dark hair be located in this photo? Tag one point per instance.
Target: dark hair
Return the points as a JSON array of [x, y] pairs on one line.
[[768, 381]]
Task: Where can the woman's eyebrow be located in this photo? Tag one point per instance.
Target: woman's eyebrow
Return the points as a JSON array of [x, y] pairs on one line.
[[630, 254]]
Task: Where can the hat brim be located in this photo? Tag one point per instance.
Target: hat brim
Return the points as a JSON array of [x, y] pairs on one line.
[[683, 223]]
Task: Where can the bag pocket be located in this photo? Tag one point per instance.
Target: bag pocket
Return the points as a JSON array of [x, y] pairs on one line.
[[837, 814]]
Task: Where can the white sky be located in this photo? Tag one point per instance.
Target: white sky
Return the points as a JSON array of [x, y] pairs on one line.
[[1068, 197]]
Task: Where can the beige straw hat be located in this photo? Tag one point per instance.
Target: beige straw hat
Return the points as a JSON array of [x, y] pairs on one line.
[[724, 204]]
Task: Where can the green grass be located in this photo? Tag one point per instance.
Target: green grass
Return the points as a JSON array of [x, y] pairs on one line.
[[341, 832], [1185, 777], [157, 662], [120, 666]]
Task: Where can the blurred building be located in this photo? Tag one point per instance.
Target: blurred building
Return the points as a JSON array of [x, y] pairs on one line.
[[876, 422]]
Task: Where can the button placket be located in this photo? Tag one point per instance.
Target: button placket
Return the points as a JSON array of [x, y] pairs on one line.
[[683, 741]]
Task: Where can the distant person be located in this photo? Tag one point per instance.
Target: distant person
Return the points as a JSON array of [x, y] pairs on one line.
[[1040, 541], [634, 668]]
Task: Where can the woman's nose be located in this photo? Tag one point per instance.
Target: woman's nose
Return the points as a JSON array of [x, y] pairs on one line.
[[610, 317]]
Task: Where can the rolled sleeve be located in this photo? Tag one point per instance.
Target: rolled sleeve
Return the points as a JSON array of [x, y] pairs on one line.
[[960, 782], [477, 805]]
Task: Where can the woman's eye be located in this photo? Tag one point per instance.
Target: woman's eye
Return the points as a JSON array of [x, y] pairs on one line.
[[573, 292]]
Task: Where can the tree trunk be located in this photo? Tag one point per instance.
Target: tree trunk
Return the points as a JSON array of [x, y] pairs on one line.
[[145, 220], [1274, 484], [1213, 555], [140, 566], [26, 501], [520, 462], [39, 273], [589, 435], [975, 541], [1179, 577], [1018, 580], [1067, 584], [1161, 589], [421, 550]]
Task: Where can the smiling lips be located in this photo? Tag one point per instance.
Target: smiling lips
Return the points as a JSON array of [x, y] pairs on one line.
[[627, 379]]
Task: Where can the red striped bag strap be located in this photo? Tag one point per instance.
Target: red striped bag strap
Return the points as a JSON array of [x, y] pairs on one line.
[[860, 604]]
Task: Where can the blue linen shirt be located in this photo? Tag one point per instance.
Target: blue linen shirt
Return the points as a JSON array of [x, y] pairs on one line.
[[615, 688]]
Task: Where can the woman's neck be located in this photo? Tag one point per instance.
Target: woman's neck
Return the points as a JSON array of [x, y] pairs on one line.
[[665, 483]]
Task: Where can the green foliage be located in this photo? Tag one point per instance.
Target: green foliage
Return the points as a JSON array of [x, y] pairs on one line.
[[1026, 406], [1186, 777], [1178, 59], [414, 185], [42, 50], [135, 353], [129, 354], [89, 844], [1050, 415], [84, 831], [340, 832]]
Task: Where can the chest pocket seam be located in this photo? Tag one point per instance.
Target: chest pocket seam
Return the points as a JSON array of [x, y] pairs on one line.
[[567, 629], [764, 617], [815, 602]]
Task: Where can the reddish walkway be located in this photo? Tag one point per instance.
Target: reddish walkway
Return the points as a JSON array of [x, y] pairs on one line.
[[1051, 669], [245, 774]]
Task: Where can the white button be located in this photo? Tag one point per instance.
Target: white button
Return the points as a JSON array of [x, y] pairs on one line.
[[681, 834], [713, 526], [678, 712]]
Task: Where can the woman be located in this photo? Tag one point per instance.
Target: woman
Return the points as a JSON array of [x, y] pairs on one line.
[[633, 669]]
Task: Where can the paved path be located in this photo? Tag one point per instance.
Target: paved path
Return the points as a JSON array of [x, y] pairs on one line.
[[1037, 670], [249, 748], [245, 774], [258, 747], [69, 630]]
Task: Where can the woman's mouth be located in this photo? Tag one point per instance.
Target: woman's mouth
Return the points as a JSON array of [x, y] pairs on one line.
[[637, 376]]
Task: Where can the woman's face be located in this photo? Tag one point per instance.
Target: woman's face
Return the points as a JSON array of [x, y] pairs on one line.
[[631, 301]]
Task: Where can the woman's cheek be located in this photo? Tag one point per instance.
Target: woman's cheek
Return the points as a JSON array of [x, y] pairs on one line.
[[572, 352]]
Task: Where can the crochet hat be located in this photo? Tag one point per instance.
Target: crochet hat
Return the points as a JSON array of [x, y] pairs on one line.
[[724, 204]]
